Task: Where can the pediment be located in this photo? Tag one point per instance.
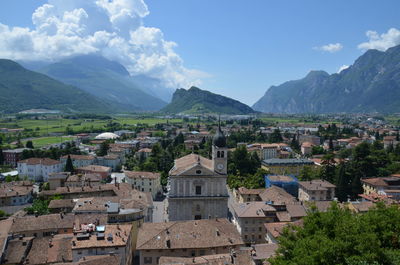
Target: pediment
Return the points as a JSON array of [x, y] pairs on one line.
[[197, 170]]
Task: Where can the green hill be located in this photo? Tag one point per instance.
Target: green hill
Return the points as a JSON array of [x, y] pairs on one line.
[[195, 100], [104, 79], [21, 89], [371, 84]]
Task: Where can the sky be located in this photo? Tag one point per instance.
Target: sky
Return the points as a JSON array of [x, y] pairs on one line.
[[235, 48]]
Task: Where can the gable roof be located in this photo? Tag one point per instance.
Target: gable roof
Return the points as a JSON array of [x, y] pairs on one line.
[[277, 196], [252, 209], [205, 233], [189, 161]]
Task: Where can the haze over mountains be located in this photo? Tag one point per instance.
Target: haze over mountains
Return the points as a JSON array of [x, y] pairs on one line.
[[108, 80], [21, 89], [371, 84]]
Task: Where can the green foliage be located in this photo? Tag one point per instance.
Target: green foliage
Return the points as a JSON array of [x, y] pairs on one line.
[[276, 136], [317, 150], [11, 179], [69, 166], [1, 157], [195, 100], [53, 153], [3, 214], [103, 150], [244, 169], [340, 237], [29, 144], [240, 162]]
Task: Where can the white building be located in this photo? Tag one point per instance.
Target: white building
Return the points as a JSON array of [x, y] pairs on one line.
[[144, 181], [198, 185], [79, 160], [316, 190], [38, 169]]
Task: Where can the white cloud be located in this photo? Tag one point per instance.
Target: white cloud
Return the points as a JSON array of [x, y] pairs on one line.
[[332, 47], [343, 67], [381, 42], [112, 28]]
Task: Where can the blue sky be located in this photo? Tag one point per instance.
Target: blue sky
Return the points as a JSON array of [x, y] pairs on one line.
[[243, 47]]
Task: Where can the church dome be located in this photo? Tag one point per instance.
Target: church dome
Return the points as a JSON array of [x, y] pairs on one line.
[[219, 139]]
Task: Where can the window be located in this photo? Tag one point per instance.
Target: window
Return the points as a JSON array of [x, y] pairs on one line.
[[148, 260], [222, 154], [198, 172], [202, 252], [197, 217], [193, 253], [245, 236], [198, 190], [218, 154], [259, 236]]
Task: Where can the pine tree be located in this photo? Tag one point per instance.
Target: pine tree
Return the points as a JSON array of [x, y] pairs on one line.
[[69, 167], [1, 157], [330, 143], [29, 144], [342, 183], [103, 149]]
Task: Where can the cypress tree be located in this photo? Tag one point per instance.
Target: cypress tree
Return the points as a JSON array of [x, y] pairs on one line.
[[69, 167], [1, 157]]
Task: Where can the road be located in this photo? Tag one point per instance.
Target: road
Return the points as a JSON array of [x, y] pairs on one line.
[[159, 211]]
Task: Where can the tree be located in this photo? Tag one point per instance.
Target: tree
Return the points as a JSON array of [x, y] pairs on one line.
[[29, 144], [276, 136], [341, 237], [103, 149], [294, 144], [343, 183], [330, 143], [69, 166], [328, 167], [1, 157]]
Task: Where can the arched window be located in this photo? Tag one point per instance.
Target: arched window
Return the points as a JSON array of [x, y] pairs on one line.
[[218, 154], [222, 154]]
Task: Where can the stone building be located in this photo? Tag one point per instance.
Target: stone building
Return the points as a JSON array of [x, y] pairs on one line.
[[197, 188]]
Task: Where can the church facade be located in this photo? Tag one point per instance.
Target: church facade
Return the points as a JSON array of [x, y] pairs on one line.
[[197, 185]]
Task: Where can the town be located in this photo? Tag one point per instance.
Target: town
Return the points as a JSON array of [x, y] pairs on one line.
[[192, 189]]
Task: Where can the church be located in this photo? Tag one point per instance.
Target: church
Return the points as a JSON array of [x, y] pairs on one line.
[[197, 185]]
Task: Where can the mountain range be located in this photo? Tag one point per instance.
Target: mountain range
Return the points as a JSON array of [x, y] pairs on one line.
[[22, 89], [197, 101], [371, 84], [107, 80]]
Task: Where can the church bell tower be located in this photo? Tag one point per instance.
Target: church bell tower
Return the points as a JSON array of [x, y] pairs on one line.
[[220, 152]]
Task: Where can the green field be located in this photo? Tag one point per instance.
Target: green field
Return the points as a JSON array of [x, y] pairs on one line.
[[44, 127], [43, 141]]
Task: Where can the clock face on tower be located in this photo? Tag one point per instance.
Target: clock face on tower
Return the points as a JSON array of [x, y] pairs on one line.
[[220, 166]]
